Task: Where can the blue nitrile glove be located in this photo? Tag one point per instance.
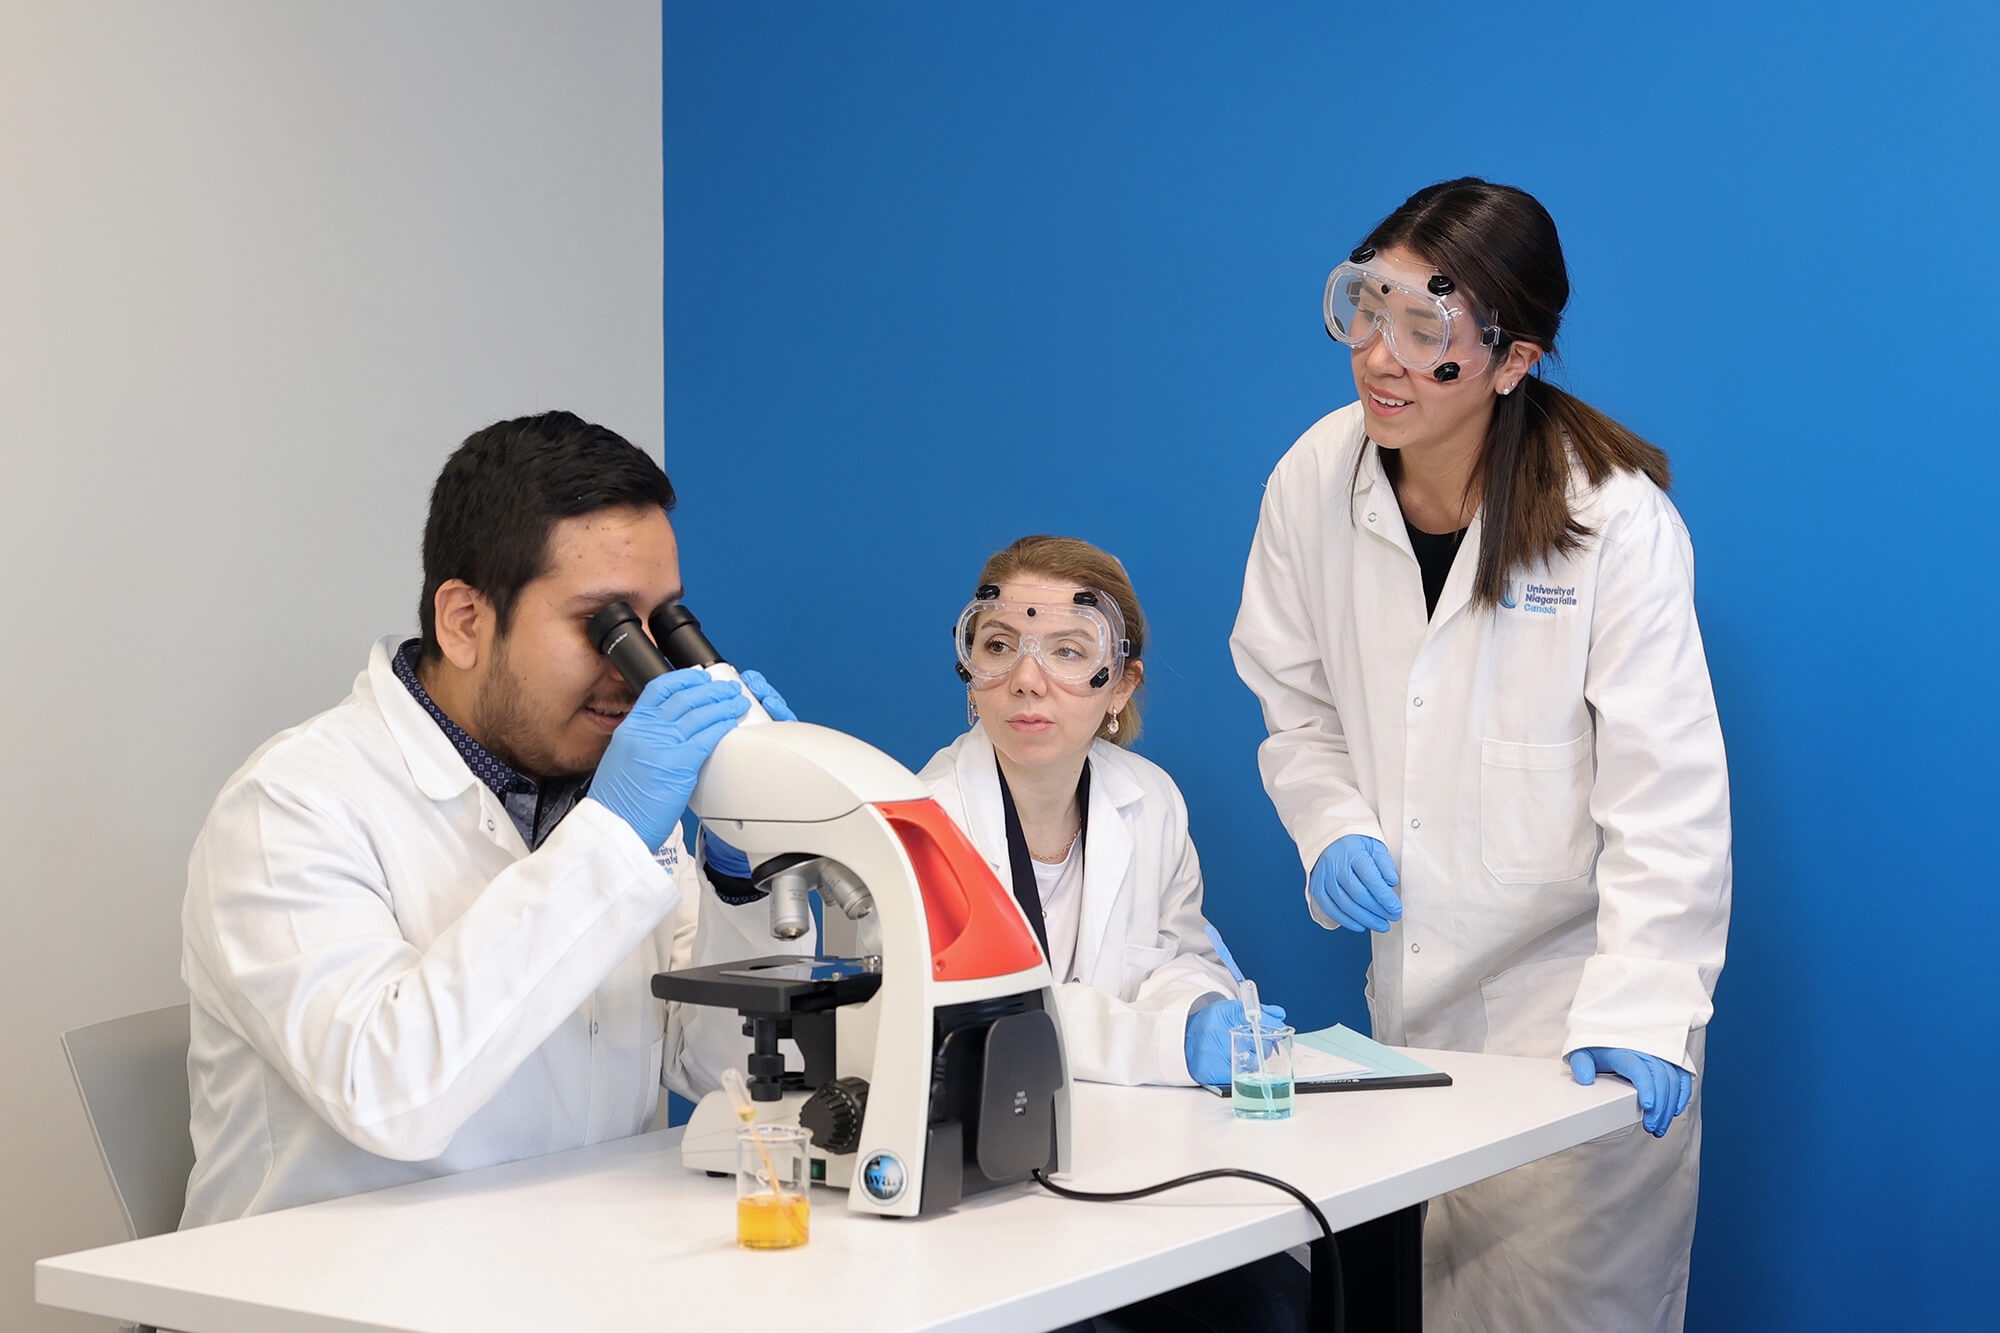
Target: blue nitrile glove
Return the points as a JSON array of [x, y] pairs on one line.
[[649, 769], [1664, 1089], [721, 856], [774, 703], [1207, 1044], [1354, 882]]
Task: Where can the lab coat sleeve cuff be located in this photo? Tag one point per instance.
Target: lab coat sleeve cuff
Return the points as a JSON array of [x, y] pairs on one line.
[[1648, 1005]]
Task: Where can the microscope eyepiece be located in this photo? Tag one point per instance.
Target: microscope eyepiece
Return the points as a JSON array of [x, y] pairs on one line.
[[679, 635], [617, 634]]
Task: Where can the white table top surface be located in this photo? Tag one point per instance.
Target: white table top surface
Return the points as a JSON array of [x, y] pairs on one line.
[[619, 1236]]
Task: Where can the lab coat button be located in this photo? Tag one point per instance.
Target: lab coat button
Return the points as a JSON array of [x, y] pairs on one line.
[[1416, 948], [489, 826], [593, 1027], [1416, 823], [1371, 518], [1418, 701]]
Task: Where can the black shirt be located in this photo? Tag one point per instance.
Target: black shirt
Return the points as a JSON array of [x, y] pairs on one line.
[[1435, 552]]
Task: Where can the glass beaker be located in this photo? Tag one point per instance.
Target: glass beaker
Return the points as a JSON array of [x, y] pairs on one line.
[[773, 1210], [1260, 1068]]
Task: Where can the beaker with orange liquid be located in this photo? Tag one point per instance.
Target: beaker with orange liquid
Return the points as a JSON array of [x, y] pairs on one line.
[[773, 1210]]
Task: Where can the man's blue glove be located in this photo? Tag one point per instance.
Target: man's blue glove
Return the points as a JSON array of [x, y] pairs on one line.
[[774, 703], [1664, 1089], [649, 769], [1354, 882], [1207, 1044]]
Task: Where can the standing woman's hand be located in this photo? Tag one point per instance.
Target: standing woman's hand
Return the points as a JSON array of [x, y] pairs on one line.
[[1664, 1089], [1354, 882]]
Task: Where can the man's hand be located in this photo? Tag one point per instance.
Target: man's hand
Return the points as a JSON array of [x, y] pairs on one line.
[[650, 768]]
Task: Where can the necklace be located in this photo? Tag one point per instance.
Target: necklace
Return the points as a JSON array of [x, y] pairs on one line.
[[1060, 856]]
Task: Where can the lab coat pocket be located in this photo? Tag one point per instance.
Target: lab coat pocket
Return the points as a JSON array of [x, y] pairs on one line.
[[1141, 962], [1534, 811], [1527, 1007]]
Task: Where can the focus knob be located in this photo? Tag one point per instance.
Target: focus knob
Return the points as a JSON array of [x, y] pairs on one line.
[[834, 1113]]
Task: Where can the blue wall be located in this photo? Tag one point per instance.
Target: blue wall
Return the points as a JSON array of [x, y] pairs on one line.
[[938, 276]]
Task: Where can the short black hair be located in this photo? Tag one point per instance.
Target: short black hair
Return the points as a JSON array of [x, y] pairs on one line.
[[502, 491]]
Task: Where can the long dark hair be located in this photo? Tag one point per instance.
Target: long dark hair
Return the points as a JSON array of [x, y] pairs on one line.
[[1500, 244]]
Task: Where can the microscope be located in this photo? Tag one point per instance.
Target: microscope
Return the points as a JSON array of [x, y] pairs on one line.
[[933, 1055]]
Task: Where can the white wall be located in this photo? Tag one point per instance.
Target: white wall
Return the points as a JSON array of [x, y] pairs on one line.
[[262, 265]]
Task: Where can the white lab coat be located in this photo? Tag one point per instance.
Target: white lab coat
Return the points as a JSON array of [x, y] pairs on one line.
[[1549, 777], [387, 985], [1143, 956]]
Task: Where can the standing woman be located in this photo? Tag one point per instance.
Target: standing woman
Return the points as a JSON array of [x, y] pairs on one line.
[[1469, 617]]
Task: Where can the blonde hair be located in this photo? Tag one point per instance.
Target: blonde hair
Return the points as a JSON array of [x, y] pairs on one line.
[[1073, 560]]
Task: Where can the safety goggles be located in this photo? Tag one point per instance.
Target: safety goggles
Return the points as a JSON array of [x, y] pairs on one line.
[[1077, 638], [1432, 327]]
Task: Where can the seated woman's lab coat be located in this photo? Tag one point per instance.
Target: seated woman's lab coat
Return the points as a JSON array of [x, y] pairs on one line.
[[1144, 959], [388, 985]]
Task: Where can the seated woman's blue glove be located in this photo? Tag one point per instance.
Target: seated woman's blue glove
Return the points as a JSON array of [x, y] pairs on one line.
[[1354, 882], [649, 769], [1664, 1089], [1207, 1043], [774, 703]]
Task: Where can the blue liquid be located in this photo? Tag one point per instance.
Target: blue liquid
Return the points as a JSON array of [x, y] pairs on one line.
[[1261, 1097]]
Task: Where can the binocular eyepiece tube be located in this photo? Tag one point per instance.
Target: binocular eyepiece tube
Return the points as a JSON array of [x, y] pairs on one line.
[[617, 634]]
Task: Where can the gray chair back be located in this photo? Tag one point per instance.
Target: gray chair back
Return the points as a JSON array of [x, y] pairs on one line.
[[132, 1075]]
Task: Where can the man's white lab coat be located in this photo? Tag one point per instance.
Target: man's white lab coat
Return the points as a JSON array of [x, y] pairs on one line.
[[387, 985]]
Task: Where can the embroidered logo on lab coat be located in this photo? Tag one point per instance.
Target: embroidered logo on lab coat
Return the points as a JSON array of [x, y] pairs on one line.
[[1542, 599]]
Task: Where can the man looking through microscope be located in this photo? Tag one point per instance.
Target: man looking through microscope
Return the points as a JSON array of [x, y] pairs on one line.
[[420, 927]]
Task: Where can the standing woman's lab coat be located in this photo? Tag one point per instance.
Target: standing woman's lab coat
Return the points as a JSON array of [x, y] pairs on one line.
[[1143, 955], [1549, 777]]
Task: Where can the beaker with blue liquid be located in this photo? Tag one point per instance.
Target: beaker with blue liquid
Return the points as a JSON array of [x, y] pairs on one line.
[[1260, 1064]]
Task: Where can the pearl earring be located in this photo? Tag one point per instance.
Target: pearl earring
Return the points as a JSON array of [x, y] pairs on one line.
[[1112, 730], [971, 711]]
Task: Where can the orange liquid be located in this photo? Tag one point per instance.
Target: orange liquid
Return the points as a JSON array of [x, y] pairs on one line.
[[771, 1221]]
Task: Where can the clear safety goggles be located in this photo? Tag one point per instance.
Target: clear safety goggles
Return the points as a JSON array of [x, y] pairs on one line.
[[1077, 638], [1429, 328]]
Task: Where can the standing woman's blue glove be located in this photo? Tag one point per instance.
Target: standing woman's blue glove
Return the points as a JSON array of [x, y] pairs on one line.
[[1207, 1043], [650, 768], [1664, 1089], [1354, 882], [774, 703]]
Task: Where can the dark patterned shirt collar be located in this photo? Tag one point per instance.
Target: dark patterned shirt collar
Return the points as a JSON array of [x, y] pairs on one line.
[[534, 810]]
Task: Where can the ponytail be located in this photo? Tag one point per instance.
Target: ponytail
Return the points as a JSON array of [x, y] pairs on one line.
[[1524, 469]]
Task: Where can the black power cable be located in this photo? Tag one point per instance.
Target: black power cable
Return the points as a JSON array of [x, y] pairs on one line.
[[1328, 1297]]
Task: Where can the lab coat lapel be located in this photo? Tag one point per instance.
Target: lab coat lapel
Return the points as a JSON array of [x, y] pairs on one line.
[[979, 791], [1107, 857], [435, 764], [1457, 592]]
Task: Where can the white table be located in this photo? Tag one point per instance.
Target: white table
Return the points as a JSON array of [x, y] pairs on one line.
[[619, 1237]]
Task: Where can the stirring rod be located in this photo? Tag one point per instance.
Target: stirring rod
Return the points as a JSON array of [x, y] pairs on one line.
[[740, 1101], [1253, 1012]]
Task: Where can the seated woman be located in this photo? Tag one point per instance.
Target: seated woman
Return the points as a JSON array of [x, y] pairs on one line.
[[1093, 838]]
